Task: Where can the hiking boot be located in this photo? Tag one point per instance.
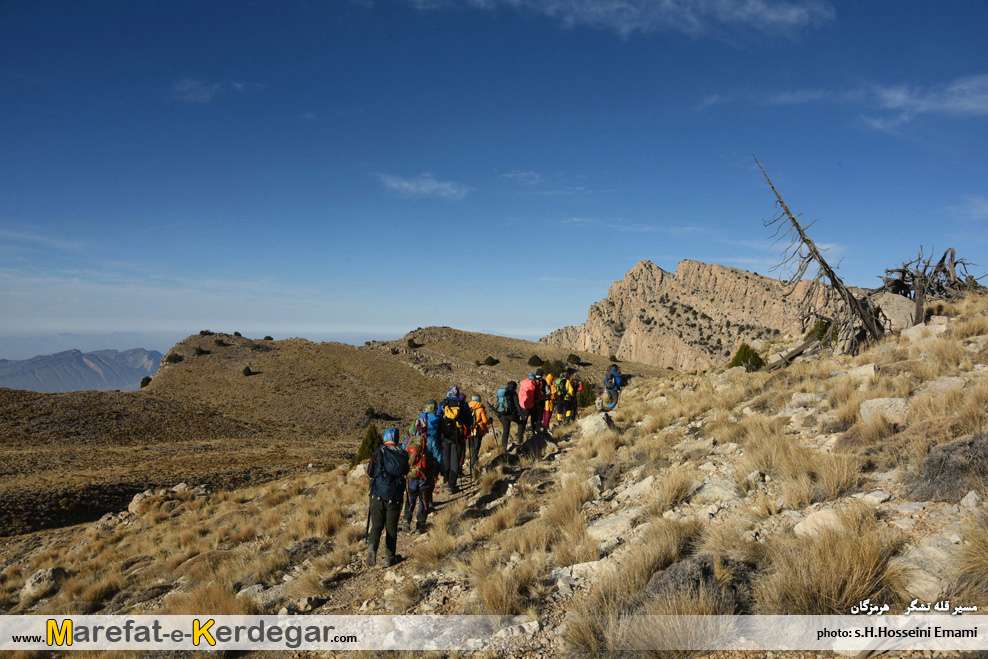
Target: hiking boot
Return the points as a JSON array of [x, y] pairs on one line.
[[421, 529], [391, 560], [371, 558], [403, 526]]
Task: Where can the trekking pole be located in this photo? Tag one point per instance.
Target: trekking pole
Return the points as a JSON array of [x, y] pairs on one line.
[[367, 527]]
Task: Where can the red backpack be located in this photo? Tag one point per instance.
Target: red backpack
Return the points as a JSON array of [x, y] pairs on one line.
[[526, 394]]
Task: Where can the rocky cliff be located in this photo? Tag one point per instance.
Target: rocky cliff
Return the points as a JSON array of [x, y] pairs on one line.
[[689, 320]]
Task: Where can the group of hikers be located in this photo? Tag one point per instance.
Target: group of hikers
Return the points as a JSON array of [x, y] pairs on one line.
[[404, 473]]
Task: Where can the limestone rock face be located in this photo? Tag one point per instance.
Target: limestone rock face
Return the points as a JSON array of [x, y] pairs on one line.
[[689, 320]]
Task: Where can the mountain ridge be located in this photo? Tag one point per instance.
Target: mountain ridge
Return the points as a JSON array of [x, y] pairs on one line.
[[74, 370]]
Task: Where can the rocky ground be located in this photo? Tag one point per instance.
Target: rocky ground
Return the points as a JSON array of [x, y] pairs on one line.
[[836, 480]]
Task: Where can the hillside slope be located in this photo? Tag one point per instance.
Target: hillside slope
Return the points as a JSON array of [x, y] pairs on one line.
[[73, 370]]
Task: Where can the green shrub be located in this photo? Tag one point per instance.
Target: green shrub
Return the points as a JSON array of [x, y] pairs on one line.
[[573, 359], [247, 371], [221, 343], [490, 361], [587, 397], [145, 381], [613, 358], [394, 351], [748, 357], [554, 366], [173, 358], [199, 352], [412, 345], [372, 440], [821, 331], [268, 338], [205, 333], [237, 334], [535, 360]]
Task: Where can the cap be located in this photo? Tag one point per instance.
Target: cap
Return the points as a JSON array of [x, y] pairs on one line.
[[475, 397], [531, 376], [431, 405], [538, 372], [454, 392]]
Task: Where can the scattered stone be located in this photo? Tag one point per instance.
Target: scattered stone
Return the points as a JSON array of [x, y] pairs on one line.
[[863, 373], [971, 500], [895, 410], [638, 489], [754, 478], [897, 311], [43, 582], [135, 504], [810, 527], [717, 490], [595, 424], [614, 525], [921, 332], [928, 569], [181, 487], [805, 399], [358, 472], [944, 385], [876, 497]]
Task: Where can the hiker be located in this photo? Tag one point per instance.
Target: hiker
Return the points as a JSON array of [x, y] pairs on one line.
[[424, 457], [481, 424], [550, 401], [565, 398], [509, 410], [455, 425], [386, 469], [542, 394], [526, 399], [612, 385]]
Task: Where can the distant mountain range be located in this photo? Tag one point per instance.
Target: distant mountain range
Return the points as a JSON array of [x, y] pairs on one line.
[[74, 370]]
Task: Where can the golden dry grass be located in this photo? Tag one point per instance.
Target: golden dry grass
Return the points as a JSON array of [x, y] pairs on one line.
[[828, 573]]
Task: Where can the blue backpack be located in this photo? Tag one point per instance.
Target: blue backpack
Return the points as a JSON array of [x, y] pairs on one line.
[[502, 403], [387, 469]]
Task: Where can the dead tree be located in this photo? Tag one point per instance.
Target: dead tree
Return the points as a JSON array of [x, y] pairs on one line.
[[825, 297], [922, 281]]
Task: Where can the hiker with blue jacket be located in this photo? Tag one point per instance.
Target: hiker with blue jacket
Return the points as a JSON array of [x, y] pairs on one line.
[[421, 480], [386, 469], [612, 384]]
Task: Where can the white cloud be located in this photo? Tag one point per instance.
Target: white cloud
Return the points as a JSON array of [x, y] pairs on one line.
[[30, 238], [424, 185], [523, 177], [973, 208], [694, 17], [192, 90]]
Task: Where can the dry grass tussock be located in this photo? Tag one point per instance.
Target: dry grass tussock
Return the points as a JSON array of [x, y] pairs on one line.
[[220, 540], [971, 566], [828, 573], [591, 631], [508, 588]]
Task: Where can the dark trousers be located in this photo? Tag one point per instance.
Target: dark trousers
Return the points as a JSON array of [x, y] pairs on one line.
[[506, 420], [452, 451], [384, 517], [475, 441], [418, 500]]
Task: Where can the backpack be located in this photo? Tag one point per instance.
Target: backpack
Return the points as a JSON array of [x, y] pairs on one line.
[[502, 400], [611, 380], [390, 464], [418, 456], [480, 422], [450, 425], [526, 394], [563, 388]]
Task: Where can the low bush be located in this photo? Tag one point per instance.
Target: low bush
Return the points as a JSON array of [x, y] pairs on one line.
[[173, 358], [535, 360], [268, 338], [412, 345], [247, 371], [205, 333], [573, 359], [748, 357], [145, 381], [372, 440], [221, 343], [199, 352], [237, 334], [490, 361]]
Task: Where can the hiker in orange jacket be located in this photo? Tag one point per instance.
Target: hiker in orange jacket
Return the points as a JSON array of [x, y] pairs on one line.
[[481, 424], [550, 402]]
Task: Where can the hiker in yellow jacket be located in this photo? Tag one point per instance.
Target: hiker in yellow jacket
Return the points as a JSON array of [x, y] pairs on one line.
[[481, 424], [565, 399], [550, 403]]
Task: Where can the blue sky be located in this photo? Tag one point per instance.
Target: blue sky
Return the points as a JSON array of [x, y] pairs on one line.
[[360, 169]]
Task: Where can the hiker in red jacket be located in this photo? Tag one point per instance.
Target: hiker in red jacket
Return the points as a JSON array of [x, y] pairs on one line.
[[527, 400]]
